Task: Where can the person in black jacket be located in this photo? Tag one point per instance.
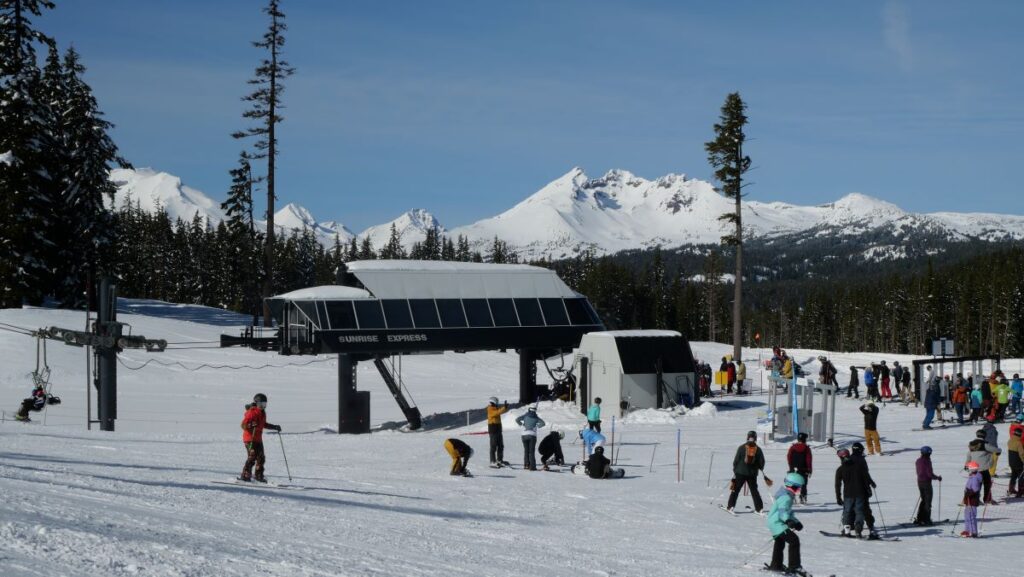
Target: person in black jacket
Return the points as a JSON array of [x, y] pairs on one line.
[[853, 483], [854, 389], [598, 466], [748, 462], [551, 446], [799, 460], [870, 412]]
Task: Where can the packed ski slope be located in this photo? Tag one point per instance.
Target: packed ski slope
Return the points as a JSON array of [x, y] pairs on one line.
[[143, 500]]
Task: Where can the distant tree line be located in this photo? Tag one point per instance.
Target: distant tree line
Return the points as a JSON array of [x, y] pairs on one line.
[[978, 300]]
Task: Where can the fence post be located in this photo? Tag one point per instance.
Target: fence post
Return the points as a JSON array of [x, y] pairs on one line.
[[711, 465], [679, 466]]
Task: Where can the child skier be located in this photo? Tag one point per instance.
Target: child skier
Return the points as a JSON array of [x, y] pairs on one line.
[[925, 476], [782, 523], [981, 453], [972, 491], [460, 453], [253, 423]]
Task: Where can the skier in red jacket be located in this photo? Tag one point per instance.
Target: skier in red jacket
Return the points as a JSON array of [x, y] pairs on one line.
[[253, 423], [799, 460]]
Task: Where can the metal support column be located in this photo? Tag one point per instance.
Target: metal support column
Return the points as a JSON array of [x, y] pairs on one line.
[[527, 376], [353, 405], [106, 356]]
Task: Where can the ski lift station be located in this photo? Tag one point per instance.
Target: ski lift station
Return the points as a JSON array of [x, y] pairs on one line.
[[636, 369], [420, 307]]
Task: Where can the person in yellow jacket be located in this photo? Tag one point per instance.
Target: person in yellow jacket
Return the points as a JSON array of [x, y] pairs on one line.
[[741, 375], [787, 368], [494, 413]]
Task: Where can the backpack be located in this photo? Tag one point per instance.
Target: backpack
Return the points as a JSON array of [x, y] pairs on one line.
[[751, 454]]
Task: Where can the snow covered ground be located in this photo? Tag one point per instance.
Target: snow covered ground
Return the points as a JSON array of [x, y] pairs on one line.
[[142, 500]]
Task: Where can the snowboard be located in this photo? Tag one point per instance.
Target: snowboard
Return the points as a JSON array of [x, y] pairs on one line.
[[880, 537], [579, 469], [934, 524], [256, 485]]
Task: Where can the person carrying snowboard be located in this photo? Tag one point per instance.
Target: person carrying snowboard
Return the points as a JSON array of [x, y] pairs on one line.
[[972, 492], [530, 422], [253, 423], [748, 462], [925, 476], [783, 525], [494, 432], [799, 460], [460, 453], [551, 446]]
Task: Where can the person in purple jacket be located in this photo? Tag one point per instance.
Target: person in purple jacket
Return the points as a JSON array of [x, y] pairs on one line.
[[925, 476], [972, 497]]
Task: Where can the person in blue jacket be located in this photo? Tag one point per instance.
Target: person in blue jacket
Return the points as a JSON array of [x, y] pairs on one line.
[[783, 524], [594, 415], [591, 439]]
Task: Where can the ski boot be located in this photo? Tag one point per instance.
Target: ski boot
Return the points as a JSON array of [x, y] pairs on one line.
[[22, 418], [260, 479], [872, 536], [774, 568]]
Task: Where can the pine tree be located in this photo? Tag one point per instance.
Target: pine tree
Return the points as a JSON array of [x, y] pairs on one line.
[[725, 154], [393, 249], [265, 103], [244, 240], [462, 251], [26, 189]]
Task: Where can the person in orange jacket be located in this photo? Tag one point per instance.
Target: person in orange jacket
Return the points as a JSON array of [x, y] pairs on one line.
[[253, 423], [494, 432]]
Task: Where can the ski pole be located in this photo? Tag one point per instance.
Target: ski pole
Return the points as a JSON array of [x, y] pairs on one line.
[[913, 514], [957, 520], [283, 454], [880, 514], [940, 501], [757, 553]]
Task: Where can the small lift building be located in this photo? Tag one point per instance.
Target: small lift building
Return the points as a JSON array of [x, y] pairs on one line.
[[410, 307]]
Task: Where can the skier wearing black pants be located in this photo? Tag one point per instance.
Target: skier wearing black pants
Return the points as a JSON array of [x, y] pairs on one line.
[[494, 432], [748, 462], [799, 460], [925, 476]]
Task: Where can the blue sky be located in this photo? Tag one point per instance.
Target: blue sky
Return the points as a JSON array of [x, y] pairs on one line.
[[465, 108]]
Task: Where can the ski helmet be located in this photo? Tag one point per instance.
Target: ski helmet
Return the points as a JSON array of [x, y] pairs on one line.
[[795, 480], [561, 435], [751, 435], [857, 448], [972, 466], [843, 454], [599, 450], [926, 450], [1020, 417], [1018, 432], [802, 437], [493, 400], [259, 398]]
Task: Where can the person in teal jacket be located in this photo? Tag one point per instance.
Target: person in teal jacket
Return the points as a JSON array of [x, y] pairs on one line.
[[594, 415], [783, 524]]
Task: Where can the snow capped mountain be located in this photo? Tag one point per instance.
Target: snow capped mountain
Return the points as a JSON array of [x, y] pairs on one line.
[[617, 211], [412, 227]]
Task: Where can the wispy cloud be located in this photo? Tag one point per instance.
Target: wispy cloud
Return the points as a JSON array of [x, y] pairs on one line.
[[896, 31]]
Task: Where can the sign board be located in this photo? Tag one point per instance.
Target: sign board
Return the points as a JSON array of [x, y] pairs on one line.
[[942, 347], [764, 422]]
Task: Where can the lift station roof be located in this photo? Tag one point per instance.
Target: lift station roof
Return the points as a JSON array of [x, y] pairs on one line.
[[432, 306]]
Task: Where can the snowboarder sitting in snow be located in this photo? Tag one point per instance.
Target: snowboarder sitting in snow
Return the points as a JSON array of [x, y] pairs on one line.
[[591, 440], [35, 402], [598, 466], [748, 462], [782, 523], [253, 423], [551, 446], [460, 453]]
